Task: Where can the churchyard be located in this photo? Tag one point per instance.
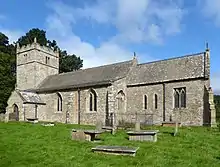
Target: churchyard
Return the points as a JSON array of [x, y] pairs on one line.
[[29, 144]]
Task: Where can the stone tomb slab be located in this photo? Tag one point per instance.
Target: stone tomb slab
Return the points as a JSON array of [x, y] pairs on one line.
[[88, 135], [149, 135], [116, 150]]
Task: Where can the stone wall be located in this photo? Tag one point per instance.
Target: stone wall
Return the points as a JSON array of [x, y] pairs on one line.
[[106, 104], [191, 115], [91, 117], [135, 101], [49, 112]]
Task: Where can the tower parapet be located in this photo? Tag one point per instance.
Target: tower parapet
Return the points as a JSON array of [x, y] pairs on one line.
[[36, 46]]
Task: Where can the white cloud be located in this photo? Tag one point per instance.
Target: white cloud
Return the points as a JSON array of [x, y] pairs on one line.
[[211, 9], [136, 22], [13, 35], [107, 52]]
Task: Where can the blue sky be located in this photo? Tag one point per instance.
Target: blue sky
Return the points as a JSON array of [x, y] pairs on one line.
[[104, 32]]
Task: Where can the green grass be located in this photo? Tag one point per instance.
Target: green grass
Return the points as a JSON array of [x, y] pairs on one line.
[[23, 144]]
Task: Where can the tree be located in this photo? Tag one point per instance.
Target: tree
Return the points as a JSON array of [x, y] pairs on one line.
[[7, 81], [7, 70], [67, 62], [28, 38]]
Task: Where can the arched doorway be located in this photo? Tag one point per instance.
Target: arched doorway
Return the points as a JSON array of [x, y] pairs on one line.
[[15, 113]]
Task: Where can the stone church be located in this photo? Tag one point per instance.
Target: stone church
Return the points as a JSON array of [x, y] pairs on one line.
[[153, 92]]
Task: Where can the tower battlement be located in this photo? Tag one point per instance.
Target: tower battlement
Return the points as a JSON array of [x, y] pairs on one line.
[[36, 46]]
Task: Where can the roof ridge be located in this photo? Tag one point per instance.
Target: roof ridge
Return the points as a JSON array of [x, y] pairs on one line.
[[122, 62], [172, 58]]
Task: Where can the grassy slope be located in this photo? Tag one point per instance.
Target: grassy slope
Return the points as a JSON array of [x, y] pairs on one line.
[[23, 144]]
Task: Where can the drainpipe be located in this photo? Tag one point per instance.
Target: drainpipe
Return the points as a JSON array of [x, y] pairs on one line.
[[78, 106], [35, 111], [164, 105]]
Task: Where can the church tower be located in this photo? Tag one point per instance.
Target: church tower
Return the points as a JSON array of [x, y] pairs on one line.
[[34, 64]]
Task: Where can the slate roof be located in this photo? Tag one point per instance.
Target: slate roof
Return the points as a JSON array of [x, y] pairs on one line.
[[30, 97], [86, 77], [179, 68]]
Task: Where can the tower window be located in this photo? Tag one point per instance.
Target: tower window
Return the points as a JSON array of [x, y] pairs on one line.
[[47, 60], [155, 100], [145, 101]]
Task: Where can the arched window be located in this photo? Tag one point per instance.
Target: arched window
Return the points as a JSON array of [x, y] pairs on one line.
[[145, 102], [92, 100], [120, 100], [183, 98], [59, 102], [180, 97], [155, 98], [176, 99]]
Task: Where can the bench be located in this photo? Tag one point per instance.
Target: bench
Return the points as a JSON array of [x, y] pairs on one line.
[[149, 135], [116, 150], [89, 135], [32, 120]]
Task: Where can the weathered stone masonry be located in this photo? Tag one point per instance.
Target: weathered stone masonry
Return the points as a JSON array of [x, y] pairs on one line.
[[158, 91]]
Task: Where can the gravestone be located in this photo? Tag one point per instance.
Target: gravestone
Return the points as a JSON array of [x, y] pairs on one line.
[[137, 126], [98, 125]]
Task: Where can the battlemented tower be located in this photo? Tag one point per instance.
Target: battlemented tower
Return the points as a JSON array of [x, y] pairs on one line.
[[34, 64]]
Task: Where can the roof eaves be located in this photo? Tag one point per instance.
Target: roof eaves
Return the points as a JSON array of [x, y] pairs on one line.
[[67, 87]]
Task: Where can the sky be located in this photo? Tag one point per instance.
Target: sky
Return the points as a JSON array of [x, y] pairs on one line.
[[110, 31]]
